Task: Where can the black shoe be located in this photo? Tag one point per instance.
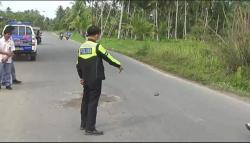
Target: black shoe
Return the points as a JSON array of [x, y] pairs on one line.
[[9, 87], [247, 126], [82, 126], [0, 87], [16, 81], [94, 132]]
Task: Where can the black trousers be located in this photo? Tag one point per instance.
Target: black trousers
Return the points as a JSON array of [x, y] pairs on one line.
[[91, 95]]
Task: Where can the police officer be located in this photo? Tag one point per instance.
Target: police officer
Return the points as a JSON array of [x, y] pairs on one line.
[[91, 72]]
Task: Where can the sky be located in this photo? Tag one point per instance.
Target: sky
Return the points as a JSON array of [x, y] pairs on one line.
[[46, 8]]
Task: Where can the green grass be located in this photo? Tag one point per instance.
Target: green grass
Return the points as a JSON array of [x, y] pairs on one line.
[[190, 59], [77, 37]]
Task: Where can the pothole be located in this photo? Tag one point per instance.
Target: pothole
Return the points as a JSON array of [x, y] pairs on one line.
[[104, 100]]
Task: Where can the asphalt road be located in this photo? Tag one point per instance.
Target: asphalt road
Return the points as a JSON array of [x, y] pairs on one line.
[[46, 107]]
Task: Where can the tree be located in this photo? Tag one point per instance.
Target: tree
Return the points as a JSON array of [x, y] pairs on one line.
[[141, 26], [185, 22], [120, 23], [8, 10], [176, 19]]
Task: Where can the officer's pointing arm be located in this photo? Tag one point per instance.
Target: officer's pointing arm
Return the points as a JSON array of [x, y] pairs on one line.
[[108, 57]]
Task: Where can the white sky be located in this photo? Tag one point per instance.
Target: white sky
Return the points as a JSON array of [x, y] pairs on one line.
[[46, 8]]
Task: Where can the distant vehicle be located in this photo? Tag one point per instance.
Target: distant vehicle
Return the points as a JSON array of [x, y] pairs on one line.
[[24, 39], [61, 36], [38, 33], [67, 35]]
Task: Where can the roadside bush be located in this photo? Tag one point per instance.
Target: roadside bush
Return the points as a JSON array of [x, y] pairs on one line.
[[236, 49]]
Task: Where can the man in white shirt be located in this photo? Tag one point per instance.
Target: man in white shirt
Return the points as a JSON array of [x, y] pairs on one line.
[[6, 45]]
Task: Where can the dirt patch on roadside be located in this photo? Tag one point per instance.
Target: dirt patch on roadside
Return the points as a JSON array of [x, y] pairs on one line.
[[76, 102]]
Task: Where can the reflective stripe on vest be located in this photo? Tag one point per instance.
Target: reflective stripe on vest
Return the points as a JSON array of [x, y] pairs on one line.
[[87, 50]]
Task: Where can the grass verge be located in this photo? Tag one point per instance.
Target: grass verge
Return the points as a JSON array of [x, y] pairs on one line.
[[193, 60]]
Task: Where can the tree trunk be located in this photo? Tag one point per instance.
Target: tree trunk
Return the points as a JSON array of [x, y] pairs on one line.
[[131, 22], [127, 30], [223, 25], [154, 27], [156, 21], [106, 21], [196, 15], [120, 24], [170, 22], [96, 14], [102, 16], [217, 24], [176, 19], [185, 21], [112, 27], [206, 21], [206, 17], [202, 9], [128, 6], [169, 14], [92, 13]]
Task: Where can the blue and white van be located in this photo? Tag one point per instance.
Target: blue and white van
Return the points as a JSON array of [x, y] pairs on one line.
[[24, 39]]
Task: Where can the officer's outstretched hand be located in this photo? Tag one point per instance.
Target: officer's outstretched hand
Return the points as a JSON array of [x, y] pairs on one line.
[[82, 82], [120, 69]]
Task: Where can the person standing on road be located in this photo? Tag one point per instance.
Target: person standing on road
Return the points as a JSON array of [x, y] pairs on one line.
[[6, 45], [91, 72], [13, 74], [2, 53]]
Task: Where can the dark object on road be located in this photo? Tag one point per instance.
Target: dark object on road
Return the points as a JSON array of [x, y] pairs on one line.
[[157, 94], [247, 126]]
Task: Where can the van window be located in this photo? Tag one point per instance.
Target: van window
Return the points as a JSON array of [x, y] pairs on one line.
[[21, 30], [28, 31], [15, 31]]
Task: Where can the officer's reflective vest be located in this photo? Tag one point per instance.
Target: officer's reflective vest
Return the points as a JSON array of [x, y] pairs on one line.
[[90, 65]]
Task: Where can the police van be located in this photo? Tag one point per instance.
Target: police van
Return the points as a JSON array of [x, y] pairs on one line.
[[24, 39]]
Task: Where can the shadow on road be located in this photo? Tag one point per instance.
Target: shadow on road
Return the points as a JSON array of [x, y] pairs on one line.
[[76, 102], [21, 58]]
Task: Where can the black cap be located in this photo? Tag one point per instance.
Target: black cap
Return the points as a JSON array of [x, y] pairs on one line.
[[93, 30], [8, 29]]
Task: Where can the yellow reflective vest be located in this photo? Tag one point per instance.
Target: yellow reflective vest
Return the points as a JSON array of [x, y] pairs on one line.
[[89, 65]]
